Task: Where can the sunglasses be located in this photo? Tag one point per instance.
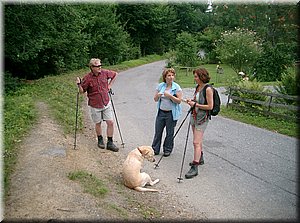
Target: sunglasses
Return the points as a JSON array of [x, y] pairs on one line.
[[97, 65]]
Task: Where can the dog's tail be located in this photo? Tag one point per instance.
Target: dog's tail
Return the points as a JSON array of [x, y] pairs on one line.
[[143, 189]]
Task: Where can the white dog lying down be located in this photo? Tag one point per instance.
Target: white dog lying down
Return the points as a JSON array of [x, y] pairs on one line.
[[132, 176]]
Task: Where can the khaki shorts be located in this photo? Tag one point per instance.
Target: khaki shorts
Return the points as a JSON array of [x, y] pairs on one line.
[[200, 127], [101, 114]]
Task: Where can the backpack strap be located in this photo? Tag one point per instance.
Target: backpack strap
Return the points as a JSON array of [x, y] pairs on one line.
[[205, 100], [204, 93]]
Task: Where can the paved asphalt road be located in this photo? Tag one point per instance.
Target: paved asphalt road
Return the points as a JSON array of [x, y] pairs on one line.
[[249, 173]]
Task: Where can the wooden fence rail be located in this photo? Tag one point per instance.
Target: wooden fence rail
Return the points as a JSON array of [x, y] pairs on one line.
[[187, 69], [267, 105]]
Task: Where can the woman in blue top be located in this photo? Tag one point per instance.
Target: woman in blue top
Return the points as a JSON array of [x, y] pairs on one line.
[[168, 95]]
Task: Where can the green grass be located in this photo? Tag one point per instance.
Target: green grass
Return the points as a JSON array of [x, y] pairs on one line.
[[90, 183], [289, 128], [186, 79], [19, 116]]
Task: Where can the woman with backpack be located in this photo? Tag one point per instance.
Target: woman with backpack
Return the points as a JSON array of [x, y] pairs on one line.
[[202, 103]]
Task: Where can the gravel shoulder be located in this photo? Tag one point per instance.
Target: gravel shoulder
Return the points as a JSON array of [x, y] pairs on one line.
[[41, 190]]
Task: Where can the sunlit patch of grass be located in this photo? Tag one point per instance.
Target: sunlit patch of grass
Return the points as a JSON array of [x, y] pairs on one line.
[[186, 79], [89, 182], [286, 127], [19, 116]]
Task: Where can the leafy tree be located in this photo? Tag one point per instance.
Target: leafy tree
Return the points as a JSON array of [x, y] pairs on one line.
[[164, 25], [206, 40], [191, 17], [186, 50], [43, 39], [273, 23], [272, 63], [108, 40], [152, 27], [226, 15], [239, 49]]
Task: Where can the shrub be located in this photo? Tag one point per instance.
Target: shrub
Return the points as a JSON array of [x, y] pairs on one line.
[[186, 50], [289, 84], [239, 49], [171, 58], [11, 84], [249, 85], [273, 63]]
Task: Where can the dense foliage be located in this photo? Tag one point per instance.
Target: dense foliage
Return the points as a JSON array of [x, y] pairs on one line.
[[47, 39], [186, 50], [239, 48], [43, 39]]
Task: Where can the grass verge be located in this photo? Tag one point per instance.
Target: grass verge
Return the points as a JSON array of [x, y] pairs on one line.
[[284, 127]]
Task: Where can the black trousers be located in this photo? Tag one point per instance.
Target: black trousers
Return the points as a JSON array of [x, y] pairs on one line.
[[164, 120]]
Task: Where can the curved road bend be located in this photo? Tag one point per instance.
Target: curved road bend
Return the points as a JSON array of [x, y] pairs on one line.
[[249, 173]]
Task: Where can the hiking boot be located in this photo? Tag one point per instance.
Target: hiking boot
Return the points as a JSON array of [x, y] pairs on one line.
[[100, 142], [192, 172], [155, 152], [201, 161], [166, 154], [111, 146]]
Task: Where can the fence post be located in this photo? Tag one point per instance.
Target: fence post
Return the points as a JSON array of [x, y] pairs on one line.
[[269, 105], [228, 97]]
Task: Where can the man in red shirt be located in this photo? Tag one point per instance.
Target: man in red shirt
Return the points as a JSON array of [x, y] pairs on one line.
[[97, 84]]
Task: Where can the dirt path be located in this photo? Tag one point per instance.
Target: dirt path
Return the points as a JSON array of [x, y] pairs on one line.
[[40, 188]]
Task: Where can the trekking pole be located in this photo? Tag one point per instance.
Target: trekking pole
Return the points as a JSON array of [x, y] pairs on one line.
[[187, 137], [112, 103], [156, 165], [76, 122]]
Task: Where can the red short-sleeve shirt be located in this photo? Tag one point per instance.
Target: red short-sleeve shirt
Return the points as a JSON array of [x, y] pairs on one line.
[[97, 87]]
